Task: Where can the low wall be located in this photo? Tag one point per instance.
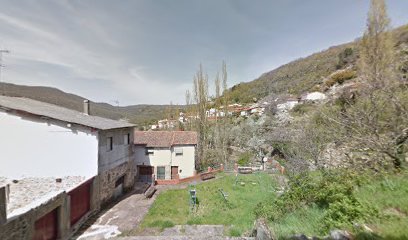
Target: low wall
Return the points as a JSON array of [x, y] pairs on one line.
[[196, 177], [108, 179], [21, 224]]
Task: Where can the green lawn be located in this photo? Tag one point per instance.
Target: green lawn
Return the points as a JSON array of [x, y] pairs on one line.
[[172, 207]]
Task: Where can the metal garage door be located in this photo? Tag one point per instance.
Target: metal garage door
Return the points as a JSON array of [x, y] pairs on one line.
[[46, 228], [80, 201], [145, 173]]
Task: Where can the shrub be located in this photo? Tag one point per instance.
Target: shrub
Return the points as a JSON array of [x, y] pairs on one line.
[[332, 191], [301, 109], [244, 159], [340, 77]]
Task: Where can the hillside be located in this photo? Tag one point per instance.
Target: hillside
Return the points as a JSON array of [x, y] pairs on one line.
[[304, 74], [138, 114]]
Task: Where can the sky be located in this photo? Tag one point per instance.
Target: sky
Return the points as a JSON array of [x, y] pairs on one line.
[[147, 51]]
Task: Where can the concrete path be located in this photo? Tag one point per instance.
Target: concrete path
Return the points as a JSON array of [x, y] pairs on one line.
[[183, 238], [185, 232], [123, 216]]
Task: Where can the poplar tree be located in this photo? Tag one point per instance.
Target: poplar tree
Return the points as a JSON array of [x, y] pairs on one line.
[[376, 62]]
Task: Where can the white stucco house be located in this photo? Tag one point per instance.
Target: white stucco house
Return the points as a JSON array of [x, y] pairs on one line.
[[39, 139], [165, 154]]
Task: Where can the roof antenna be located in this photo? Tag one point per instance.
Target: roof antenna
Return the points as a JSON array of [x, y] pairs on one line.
[[1, 66]]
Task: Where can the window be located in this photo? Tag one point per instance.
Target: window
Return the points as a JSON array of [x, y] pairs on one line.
[[149, 151], [126, 138], [161, 173], [178, 151], [120, 180], [109, 143]]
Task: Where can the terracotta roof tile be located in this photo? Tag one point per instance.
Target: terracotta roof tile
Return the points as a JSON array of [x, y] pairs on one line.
[[165, 138]]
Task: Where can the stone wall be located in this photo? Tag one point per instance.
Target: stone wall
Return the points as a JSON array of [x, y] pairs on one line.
[[107, 180], [22, 226]]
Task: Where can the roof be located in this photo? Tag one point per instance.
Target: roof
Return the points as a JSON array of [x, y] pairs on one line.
[[165, 138], [59, 113]]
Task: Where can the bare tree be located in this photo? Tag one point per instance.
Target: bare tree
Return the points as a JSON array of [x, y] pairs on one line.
[[200, 88], [376, 62]]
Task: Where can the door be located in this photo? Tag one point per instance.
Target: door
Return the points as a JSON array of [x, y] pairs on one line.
[[145, 173], [80, 201], [46, 228], [119, 187], [174, 172]]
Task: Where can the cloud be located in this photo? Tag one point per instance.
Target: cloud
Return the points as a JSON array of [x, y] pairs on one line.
[[148, 51]]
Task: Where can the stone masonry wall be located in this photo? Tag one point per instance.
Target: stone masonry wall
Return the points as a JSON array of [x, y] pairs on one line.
[[108, 179], [22, 226]]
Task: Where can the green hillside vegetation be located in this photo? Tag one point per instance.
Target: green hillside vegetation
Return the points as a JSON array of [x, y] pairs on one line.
[[304, 74], [139, 114], [318, 203]]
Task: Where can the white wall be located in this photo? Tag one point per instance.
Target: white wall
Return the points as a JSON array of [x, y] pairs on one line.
[[37, 149], [167, 157], [186, 162]]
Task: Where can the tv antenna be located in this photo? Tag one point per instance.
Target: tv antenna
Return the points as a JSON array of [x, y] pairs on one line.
[[1, 64], [116, 102]]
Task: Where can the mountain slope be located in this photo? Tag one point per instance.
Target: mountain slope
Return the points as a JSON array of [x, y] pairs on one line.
[[139, 114], [304, 74]]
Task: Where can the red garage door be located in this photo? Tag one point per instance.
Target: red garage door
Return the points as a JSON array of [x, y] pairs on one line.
[[145, 173], [80, 201], [46, 228]]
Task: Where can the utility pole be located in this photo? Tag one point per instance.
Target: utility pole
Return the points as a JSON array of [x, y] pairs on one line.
[[1, 66]]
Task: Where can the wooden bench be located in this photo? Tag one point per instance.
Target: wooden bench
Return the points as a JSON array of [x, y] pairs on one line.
[[208, 175]]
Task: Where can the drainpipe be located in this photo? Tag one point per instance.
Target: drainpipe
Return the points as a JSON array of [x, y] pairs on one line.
[[87, 107], [171, 159], [4, 192]]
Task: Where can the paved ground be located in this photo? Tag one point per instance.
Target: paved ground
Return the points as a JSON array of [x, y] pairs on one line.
[[183, 238], [192, 232], [122, 216]]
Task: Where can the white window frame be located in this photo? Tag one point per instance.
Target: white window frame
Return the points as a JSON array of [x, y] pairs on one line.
[[126, 138], [178, 151]]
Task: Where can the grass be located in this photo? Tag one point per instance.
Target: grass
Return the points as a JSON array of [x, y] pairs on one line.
[[388, 194], [172, 206], [305, 220]]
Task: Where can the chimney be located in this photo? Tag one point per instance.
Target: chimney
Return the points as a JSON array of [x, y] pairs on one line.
[[4, 192], [87, 107]]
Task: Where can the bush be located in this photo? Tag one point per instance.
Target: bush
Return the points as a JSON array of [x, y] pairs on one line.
[[244, 159], [332, 191], [301, 109], [340, 77]]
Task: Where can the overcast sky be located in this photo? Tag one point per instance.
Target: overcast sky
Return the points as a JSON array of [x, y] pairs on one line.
[[145, 51]]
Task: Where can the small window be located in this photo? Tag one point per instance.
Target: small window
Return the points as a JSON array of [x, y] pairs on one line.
[[161, 173], [178, 151], [149, 151], [120, 180], [109, 143], [126, 138]]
